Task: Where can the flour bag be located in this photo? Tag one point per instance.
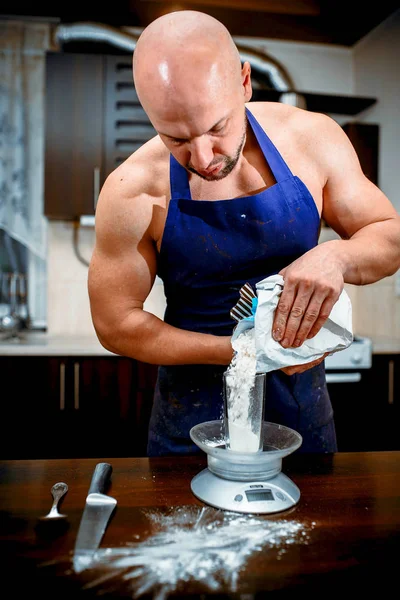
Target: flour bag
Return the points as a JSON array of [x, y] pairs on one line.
[[257, 311]]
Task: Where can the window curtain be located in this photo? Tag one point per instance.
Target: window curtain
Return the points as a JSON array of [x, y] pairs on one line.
[[23, 47]]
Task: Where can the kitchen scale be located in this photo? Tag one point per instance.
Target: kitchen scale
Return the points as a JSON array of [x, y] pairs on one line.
[[245, 482]]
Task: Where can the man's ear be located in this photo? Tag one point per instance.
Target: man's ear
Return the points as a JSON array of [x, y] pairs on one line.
[[246, 81]]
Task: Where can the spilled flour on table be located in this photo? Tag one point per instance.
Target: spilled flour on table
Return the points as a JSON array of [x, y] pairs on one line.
[[189, 545]]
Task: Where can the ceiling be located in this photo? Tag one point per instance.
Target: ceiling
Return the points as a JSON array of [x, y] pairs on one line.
[[319, 21]]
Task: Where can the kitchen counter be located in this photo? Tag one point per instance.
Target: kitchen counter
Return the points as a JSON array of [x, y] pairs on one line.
[[44, 344], [385, 345], [345, 531]]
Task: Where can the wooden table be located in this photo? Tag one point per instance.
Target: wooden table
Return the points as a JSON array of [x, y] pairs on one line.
[[349, 504]]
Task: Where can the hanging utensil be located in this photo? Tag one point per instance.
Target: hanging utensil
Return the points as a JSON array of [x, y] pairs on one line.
[[11, 323], [23, 302]]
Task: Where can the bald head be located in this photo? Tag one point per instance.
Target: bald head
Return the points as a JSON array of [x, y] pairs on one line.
[[183, 58]]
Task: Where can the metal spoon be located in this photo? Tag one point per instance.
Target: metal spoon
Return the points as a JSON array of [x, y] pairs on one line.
[[57, 491]]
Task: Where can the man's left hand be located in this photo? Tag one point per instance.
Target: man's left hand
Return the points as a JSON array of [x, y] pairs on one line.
[[312, 285]]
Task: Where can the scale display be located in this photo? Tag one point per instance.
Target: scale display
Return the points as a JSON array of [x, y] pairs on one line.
[[259, 495]]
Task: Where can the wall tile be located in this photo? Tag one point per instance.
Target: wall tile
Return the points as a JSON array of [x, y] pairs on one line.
[[377, 312], [68, 300], [68, 307]]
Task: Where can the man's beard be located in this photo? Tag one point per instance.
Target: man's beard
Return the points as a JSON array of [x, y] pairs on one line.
[[230, 162]]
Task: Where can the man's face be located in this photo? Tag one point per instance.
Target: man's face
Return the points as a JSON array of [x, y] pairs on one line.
[[203, 128], [221, 165], [206, 138]]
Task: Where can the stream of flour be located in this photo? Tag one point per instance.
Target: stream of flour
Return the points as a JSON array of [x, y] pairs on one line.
[[244, 422]]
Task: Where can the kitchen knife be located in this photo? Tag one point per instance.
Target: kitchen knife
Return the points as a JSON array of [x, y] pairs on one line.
[[96, 514]]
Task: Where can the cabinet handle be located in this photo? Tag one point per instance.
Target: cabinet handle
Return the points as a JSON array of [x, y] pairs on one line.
[[62, 386], [391, 382], [76, 386], [96, 186]]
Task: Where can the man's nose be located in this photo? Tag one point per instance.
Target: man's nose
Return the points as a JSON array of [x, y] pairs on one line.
[[201, 153]]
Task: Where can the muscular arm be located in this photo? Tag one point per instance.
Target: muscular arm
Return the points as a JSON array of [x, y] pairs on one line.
[[369, 248], [121, 274], [362, 215]]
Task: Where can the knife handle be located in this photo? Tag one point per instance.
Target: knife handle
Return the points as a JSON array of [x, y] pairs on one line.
[[100, 479]]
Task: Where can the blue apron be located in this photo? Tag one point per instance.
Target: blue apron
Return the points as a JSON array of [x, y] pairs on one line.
[[210, 249]]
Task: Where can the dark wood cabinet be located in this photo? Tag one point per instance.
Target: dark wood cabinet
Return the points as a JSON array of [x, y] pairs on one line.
[[74, 163], [365, 139], [60, 407], [93, 122], [35, 422], [91, 406], [367, 412]]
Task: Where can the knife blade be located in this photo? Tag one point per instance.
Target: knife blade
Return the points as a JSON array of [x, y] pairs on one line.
[[95, 517]]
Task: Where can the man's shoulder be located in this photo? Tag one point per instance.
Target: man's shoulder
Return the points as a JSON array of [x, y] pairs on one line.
[[297, 128], [127, 199], [145, 171], [278, 114]]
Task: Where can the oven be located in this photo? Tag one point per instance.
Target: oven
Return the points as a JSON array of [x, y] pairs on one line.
[[348, 365]]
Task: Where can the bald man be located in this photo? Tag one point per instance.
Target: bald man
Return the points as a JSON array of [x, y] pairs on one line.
[[228, 192]]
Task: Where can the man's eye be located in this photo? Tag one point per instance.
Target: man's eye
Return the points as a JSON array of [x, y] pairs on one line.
[[218, 129]]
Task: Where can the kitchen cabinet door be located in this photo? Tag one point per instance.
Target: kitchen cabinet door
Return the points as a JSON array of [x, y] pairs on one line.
[[75, 407], [74, 104], [108, 416], [384, 399], [94, 121], [35, 420], [367, 413], [109, 400]]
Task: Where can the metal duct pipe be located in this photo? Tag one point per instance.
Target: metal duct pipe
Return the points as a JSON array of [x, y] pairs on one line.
[[263, 64], [294, 99], [94, 32], [272, 73]]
